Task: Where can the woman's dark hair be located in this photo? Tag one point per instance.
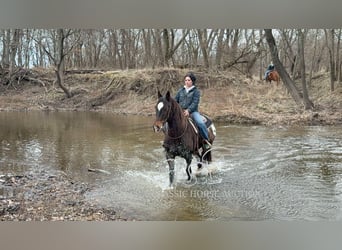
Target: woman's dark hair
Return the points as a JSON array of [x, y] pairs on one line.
[[192, 77]]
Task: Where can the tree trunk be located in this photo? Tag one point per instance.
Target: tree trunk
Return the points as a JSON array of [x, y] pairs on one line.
[[306, 101], [219, 48], [60, 63], [331, 44], [287, 36], [170, 47], [202, 37], [338, 57], [313, 60], [6, 48], [289, 84], [147, 46], [235, 41], [14, 48], [60, 80], [332, 61]]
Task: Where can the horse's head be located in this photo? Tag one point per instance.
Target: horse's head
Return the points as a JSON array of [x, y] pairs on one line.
[[163, 108]]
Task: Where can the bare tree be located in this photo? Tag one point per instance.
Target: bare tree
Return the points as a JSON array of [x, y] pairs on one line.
[[241, 49], [170, 45], [234, 43], [306, 101], [289, 38], [203, 41], [59, 61], [338, 56], [313, 58], [14, 49], [330, 43], [289, 84], [58, 56], [219, 48], [255, 51], [27, 49], [147, 42], [193, 48], [6, 39]]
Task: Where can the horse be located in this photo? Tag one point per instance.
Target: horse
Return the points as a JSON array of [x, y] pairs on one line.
[[273, 76], [181, 137]]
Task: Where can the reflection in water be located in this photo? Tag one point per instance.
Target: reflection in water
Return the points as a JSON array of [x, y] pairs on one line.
[[263, 173], [67, 141]]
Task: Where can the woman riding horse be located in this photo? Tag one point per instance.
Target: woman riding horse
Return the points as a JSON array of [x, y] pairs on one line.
[[181, 138], [188, 98], [271, 74]]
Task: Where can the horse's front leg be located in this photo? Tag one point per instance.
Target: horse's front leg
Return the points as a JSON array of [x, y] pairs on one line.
[[188, 160], [171, 161], [188, 169]]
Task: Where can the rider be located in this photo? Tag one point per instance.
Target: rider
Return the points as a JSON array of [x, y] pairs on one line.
[[268, 70], [189, 97]]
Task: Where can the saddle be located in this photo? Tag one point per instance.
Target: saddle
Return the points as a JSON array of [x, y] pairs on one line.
[[206, 120], [268, 73]]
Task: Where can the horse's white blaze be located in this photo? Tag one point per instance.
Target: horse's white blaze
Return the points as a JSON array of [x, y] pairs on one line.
[[160, 106]]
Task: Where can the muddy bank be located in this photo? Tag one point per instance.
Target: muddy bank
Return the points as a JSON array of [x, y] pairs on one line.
[[226, 96], [42, 195]]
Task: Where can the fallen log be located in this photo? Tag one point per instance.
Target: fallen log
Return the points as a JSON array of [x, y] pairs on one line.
[[84, 71], [97, 170]]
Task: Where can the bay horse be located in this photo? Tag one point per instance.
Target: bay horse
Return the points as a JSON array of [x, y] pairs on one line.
[[180, 137], [273, 76]]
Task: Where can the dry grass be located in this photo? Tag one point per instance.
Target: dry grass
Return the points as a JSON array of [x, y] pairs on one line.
[[224, 94]]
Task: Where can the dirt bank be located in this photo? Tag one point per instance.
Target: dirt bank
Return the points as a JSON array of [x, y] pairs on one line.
[[227, 96], [42, 195]]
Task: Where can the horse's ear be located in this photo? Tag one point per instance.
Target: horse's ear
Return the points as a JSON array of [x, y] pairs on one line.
[[159, 94], [168, 96]]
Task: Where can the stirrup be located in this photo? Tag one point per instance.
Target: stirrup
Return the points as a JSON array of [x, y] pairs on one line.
[[206, 144]]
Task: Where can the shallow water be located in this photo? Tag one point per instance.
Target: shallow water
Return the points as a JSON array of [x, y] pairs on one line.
[[259, 173]]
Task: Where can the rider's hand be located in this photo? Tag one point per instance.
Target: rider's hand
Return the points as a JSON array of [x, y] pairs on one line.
[[186, 113]]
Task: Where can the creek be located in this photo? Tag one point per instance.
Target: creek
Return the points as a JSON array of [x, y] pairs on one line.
[[261, 173]]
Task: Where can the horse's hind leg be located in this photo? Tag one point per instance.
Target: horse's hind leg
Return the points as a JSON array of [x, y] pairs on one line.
[[199, 161]]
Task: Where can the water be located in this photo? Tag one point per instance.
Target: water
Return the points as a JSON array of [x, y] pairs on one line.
[[259, 173]]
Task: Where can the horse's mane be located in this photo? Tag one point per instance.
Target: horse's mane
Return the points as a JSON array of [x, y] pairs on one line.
[[178, 111]]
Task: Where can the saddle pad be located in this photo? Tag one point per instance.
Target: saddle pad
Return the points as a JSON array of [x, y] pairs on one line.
[[206, 120]]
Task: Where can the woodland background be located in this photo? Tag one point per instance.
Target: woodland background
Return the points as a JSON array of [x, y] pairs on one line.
[[299, 55], [244, 49]]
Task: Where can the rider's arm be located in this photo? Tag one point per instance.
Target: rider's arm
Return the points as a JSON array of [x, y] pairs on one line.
[[195, 102]]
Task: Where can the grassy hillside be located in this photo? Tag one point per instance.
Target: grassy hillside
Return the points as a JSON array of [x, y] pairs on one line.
[[226, 96]]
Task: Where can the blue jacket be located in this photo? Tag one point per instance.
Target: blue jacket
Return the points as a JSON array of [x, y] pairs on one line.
[[190, 100]]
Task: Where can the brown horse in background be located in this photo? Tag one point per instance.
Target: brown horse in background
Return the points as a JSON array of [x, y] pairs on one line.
[[273, 76], [181, 138]]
